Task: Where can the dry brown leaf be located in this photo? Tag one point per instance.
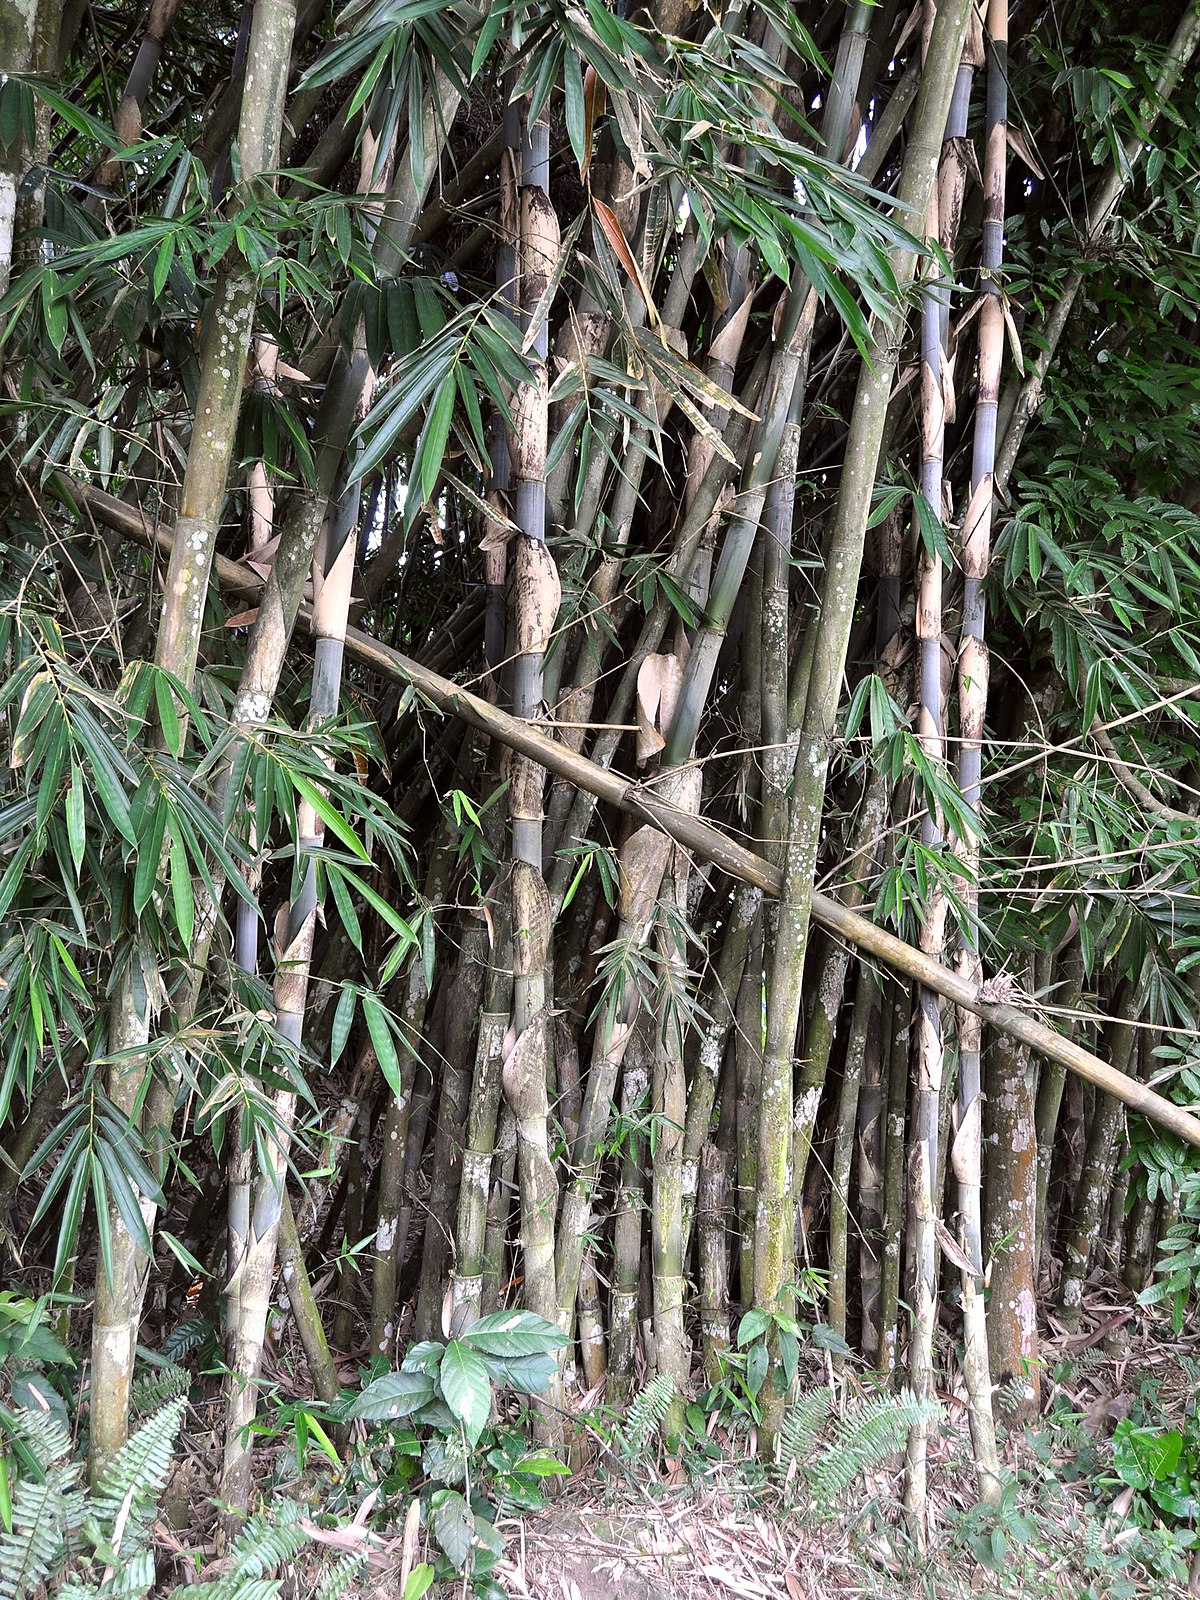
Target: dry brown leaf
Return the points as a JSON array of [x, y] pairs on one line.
[[951, 1248], [658, 681], [538, 593], [1019, 144], [611, 228]]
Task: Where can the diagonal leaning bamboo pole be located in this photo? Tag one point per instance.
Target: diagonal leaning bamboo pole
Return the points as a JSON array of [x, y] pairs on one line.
[[994, 1000]]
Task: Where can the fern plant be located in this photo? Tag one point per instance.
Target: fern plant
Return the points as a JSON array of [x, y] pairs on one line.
[[264, 1544], [825, 1452], [88, 1547], [646, 1413]]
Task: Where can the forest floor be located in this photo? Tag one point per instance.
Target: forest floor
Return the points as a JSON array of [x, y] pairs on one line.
[[710, 1525], [1071, 1527]]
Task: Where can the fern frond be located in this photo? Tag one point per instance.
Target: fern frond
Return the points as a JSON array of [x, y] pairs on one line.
[[802, 1422], [156, 1388], [871, 1429], [830, 1452], [231, 1589], [184, 1338], [45, 1433], [132, 1580], [263, 1544], [132, 1482], [340, 1576], [646, 1413], [43, 1515]]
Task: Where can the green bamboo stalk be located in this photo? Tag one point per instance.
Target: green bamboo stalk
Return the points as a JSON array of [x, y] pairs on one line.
[[496, 1286], [24, 30], [483, 1111], [226, 339], [462, 1023], [842, 1163], [628, 1212], [830, 977], [717, 1005], [972, 670], [669, 1102], [253, 1254], [748, 1066], [304, 1307], [871, 1135], [535, 609], [711, 1227], [1051, 1081], [773, 1240], [591, 1325], [1012, 1225], [896, 1023], [354, 1211], [127, 120]]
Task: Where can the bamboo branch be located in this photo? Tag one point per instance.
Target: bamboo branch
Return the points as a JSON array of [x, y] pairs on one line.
[[983, 1000]]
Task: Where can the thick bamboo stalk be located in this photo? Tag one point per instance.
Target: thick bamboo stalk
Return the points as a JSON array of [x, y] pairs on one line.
[[748, 1081], [717, 1003], [668, 1103], [304, 1307], [462, 1024], [897, 1018], [628, 1211], [483, 1112], [226, 339], [711, 1227], [393, 1162], [1012, 1224], [773, 1242]]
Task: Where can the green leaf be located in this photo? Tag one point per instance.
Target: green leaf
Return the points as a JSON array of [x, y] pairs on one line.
[[396, 1394], [576, 118], [145, 878], [756, 1368], [541, 1464], [514, 1333], [526, 1374], [453, 1525], [419, 1580], [182, 895], [328, 814], [76, 818], [431, 446], [343, 1020], [752, 1326], [466, 1388], [383, 1042]]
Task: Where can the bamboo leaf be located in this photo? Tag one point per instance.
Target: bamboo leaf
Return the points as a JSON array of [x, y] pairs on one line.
[[611, 228], [328, 814], [431, 447], [382, 1042]]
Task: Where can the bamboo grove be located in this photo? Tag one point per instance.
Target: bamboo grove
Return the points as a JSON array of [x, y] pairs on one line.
[[600, 667]]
